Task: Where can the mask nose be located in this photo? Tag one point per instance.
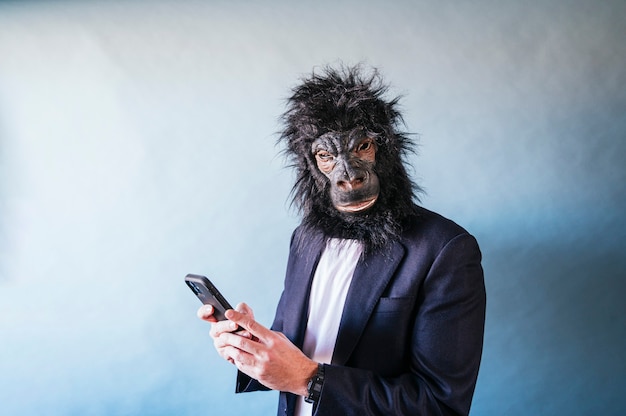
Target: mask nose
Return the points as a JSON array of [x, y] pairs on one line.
[[350, 179]]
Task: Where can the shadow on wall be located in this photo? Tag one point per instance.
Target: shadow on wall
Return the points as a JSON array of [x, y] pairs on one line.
[[555, 336]]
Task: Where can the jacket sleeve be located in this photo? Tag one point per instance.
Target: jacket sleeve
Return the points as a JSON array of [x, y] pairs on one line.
[[445, 347]]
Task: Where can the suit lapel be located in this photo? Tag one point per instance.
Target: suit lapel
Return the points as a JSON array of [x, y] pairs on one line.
[[304, 268], [371, 276]]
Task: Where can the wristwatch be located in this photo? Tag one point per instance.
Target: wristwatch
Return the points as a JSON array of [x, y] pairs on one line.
[[314, 388]]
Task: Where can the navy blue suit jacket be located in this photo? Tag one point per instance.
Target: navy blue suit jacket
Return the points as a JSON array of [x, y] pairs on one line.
[[411, 333]]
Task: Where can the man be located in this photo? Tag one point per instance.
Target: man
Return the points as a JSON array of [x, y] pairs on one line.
[[383, 307]]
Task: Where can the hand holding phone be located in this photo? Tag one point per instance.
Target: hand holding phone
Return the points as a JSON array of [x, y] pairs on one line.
[[208, 294]]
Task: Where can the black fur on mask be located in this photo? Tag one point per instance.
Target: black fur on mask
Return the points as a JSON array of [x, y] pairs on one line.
[[348, 101]]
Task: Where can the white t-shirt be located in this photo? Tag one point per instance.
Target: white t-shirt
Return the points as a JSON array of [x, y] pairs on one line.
[[328, 295]]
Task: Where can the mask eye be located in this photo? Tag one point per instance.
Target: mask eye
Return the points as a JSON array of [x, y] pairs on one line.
[[325, 156], [365, 146]]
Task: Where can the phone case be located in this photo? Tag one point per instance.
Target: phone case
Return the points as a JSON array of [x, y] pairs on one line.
[[208, 294]]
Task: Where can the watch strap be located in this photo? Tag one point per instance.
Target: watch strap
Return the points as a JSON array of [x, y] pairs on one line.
[[314, 387]]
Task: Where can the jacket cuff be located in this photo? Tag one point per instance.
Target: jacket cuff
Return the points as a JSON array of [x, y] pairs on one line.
[[246, 384]]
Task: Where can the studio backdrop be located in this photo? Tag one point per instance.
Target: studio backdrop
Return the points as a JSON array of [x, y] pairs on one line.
[[138, 144]]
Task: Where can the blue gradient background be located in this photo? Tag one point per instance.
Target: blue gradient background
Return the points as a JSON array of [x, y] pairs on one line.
[[137, 145]]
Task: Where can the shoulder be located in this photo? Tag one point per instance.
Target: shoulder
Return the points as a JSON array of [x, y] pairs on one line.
[[431, 231], [432, 223], [304, 239]]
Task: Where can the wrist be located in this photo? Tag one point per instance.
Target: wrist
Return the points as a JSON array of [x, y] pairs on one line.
[[308, 371]]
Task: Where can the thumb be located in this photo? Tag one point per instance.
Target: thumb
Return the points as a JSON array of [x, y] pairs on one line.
[[245, 309]]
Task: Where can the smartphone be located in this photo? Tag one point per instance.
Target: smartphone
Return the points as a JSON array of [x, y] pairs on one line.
[[208, 294]]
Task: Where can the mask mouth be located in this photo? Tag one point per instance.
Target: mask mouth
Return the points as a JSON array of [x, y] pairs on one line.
[[357, 206]]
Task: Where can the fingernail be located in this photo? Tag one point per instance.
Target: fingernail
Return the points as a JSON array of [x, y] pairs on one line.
[[233, 325]]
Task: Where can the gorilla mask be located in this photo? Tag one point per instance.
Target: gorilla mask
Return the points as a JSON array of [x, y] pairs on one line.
[[343, 140]]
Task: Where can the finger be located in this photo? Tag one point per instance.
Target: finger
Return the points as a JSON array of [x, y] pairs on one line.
[[224, 354], [248, 322], [245, 334], [244, 308], [221, 327], [205, 312], [241, 358]]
